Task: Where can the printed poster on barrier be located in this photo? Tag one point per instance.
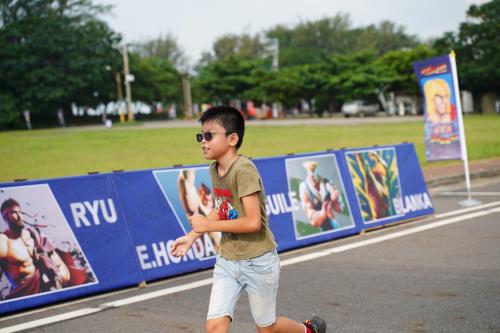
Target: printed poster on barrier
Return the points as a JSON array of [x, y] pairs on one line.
[[375, 176], [442, 128], [318, 196], [188, 192], [40, 254]]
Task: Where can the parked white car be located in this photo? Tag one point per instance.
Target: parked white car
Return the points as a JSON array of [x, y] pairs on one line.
[[359, 108]]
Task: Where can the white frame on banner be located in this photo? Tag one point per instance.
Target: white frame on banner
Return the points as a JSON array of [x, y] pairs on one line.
[[353, 225], [50, 196], [170, 204], [356, 192]]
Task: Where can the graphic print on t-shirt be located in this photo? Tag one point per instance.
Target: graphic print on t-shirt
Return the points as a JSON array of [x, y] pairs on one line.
[[223, 204]]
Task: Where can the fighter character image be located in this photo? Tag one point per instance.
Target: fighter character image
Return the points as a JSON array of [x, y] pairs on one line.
[[320, 204], [319, 199], [196, 200], [30, 261], [375, 177], [441, 126]]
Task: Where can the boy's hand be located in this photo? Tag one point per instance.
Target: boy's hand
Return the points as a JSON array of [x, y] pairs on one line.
[[181, 246], [199, 223]]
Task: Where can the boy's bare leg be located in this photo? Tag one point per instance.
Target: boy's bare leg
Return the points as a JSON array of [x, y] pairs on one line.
[[218, 325], [283, 325]]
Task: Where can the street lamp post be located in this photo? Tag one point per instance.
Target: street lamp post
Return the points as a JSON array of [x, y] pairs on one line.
[[128, 78], [276, 53], [186, 90]]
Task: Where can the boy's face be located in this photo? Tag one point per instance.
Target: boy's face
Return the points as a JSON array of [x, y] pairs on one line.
[[219, 144]]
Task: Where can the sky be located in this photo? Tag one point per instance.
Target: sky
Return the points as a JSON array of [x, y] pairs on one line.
[[196, 24]]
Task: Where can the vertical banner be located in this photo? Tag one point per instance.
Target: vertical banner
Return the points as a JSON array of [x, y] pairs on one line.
[[441, 114]]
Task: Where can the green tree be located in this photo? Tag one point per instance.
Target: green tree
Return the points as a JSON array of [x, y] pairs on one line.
[[383, 38], [309, 42], [227, 79], [164, 47], [58, 53], [395, 69], [477, 45], [244, 46], [283, 86], [326, 60], [354, 76], [9, 115], [156, 80]]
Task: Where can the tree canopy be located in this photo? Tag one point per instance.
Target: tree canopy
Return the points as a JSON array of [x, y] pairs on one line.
[[57, 53], [477, 45]]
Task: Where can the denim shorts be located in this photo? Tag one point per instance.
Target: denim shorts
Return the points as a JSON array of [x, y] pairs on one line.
[[259, 276]]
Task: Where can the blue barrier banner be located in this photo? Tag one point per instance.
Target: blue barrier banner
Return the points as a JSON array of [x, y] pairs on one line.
[[156, 218], [73, 241], [70, 237]]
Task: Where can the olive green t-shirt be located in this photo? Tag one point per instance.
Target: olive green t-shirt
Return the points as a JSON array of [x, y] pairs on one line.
[[242, 179]]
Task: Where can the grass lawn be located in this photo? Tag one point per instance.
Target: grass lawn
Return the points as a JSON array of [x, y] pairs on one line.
[[69, 152]]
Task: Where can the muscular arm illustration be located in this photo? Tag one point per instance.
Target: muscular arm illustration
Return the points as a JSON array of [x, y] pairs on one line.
[[316, 217], [62, 273], [3, 245]]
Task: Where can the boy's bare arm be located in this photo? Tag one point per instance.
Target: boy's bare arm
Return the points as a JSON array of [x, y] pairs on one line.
[[183, 243], [213, 216], [250, 223]]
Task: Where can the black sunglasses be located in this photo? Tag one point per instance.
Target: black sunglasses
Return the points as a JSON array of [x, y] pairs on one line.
[[208, 136]]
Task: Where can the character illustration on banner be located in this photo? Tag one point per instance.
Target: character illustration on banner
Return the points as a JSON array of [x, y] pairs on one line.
[[375, 177], [442, 126], [30, 261], [196, 200], [225, 209], [319, 198]]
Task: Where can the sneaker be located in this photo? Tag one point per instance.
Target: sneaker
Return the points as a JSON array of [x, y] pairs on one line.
[[316, 324]]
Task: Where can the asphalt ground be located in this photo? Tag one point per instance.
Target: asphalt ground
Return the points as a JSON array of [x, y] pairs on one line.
[[436, 274]]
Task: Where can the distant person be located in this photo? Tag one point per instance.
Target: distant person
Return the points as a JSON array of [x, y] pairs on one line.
[[248, 259], [172, 112], [319, 199], [251, 111]]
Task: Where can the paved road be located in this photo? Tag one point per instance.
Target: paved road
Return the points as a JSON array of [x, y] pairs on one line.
[[444, 279]]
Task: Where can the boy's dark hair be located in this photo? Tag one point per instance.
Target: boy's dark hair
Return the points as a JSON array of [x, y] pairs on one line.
[[227, 117]]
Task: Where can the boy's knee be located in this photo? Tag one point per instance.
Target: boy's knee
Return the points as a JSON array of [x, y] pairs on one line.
[[219, 325]]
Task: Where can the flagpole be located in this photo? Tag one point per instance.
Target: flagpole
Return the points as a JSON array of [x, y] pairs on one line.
[[469, 201]]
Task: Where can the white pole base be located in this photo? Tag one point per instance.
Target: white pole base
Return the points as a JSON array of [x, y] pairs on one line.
[[469, 203]]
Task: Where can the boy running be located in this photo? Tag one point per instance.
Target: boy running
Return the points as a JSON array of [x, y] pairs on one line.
[[248, 259]]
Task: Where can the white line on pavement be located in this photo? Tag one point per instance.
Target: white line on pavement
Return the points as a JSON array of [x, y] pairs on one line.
[[472, 193], [466, 210], [50, 320], [158, 293]]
